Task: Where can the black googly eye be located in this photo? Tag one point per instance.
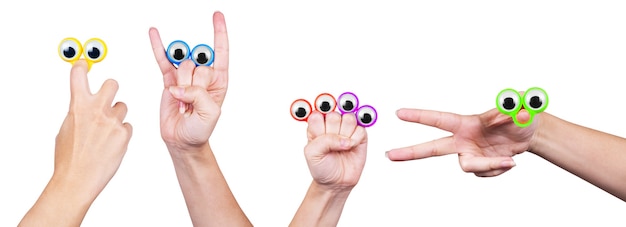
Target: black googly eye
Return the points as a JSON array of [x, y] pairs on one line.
[[202, 55], [70, 49], [508, 101], [347, 102], [325, 103], [300, 110], [177, 52], [366, 116], [535, 99], [95, 50]]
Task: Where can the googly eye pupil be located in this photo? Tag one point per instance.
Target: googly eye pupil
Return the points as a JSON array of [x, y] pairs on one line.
[[301, 112], [366, 118], [69, 52], [509, 103], [178, 54], [202, 59], [535, 102], [94, 53], [348, 105], [325, 106]]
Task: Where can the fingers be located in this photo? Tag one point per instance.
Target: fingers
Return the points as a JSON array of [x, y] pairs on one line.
[[492, 173], [107, 91], [221, 44], [79, 84], [167, 69], [523, 116], [348, 124], [438, 147], [324, 144], [333, 123], [198, 97], [316, 125], [184, 73], [485, 165], [201, 77], [442, 120], [119, 110]]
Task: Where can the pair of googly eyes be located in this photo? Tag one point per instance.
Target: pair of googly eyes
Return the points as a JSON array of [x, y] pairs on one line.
[[94, 50], [325, 103], [509, 102], [178, 51]]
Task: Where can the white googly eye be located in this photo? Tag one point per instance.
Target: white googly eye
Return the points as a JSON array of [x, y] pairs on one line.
[[366, 116], [535, 99], [300, 110], [202, 55], [95, 50], [70, 49], [325, 103], [177, 52], [508, 101], [347, 102]]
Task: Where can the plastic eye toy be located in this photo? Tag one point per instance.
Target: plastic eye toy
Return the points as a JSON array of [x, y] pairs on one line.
[[178, 51], [509, 102], [325, 103], [94, 50]]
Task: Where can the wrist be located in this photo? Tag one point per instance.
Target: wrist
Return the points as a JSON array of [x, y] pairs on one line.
[[542, 139], [331, 192]]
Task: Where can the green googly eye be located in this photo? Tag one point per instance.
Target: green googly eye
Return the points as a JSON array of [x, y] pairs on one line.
[[509, 102], [535, 100]]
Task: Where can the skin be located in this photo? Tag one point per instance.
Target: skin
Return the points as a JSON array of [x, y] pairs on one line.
[[335, 153], [485, 144], [190, 107], [90, 146]]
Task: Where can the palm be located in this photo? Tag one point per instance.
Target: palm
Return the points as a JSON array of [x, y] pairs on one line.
[[339, 167]]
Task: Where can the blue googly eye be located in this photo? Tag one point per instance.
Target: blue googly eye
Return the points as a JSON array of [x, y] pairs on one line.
[[177, 52], [202, 55]]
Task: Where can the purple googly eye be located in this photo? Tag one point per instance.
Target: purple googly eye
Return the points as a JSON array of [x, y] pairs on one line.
[[347, 102], [366, 116]]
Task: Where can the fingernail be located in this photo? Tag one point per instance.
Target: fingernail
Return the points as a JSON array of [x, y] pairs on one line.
[[507, 164], [181, 107]]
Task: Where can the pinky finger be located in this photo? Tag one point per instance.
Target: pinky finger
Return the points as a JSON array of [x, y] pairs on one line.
[[492, 173], [471, 164]]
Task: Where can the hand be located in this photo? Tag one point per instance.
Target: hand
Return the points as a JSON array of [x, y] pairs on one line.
[[92, 140], [485, 143], [192, 96], [336, 150]]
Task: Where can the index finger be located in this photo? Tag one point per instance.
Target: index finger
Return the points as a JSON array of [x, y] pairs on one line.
[[167, 68], [79, 84], [221, 44], [442, 120]]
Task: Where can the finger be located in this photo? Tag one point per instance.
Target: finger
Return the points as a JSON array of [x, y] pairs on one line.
[[316, 125], [442, 120], [333, 123], [492, 173], [119, 110], [202, 103], [184, 73], [79, 84], [221, 44], [523, 116], [167, 68], [129, 131], [359, 136], [107, 91], [348, 124], [327, 143], [472, 164], [201, 77], [438, 147]]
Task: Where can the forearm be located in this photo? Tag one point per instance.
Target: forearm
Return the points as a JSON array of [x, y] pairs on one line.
[[62, 203], [594, 156], [207, 195], [320, 207]]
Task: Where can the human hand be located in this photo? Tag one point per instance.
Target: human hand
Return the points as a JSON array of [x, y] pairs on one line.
[[192, 96], [336, 150], [485, 143], [93, 138]]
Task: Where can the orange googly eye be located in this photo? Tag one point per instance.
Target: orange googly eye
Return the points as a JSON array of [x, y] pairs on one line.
[[300, 110], [325, 103]]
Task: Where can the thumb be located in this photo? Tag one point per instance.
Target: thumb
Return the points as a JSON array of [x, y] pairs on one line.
[[324, 144], [198, 97]]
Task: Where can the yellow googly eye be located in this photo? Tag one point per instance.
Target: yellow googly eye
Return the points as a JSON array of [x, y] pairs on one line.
[[325, 103], [70, 50], [95, 50]]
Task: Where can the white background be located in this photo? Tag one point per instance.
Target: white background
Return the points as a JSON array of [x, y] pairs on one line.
[[445, 55]]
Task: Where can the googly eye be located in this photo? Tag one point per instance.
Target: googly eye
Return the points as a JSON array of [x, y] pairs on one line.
[[348, 102], [95, 50], [70, 49], [366, 116], [177, 52], [508, 101], [535, 99], [300, 109], [325, 103], [202, 55]]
